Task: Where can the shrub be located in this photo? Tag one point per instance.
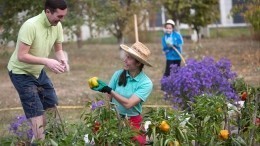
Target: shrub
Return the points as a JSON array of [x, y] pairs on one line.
[[198, 78]]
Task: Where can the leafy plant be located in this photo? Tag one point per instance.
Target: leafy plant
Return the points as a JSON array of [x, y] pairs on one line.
[[206, 123], [179, 127], [104, 126], [249, 112], [208, 113]]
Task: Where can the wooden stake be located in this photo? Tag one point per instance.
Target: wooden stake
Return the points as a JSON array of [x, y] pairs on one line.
[[136, 29]]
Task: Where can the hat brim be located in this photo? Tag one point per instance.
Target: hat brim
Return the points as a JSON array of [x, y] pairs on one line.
[[170, 24], [135, 55]]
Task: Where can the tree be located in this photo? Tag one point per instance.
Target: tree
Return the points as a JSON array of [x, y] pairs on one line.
[[178, 10], [205, 12], [196, 13], [90, 12], [13, 14], [114, 16], [75, 19], [250, 10]]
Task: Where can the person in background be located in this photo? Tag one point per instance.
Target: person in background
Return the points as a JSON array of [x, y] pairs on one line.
[[171, 39], [130, 87], [36, 37]]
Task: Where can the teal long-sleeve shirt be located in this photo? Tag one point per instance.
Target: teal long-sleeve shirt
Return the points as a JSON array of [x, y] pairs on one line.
[[174, 39]]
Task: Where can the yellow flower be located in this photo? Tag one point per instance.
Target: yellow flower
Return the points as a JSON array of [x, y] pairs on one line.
[[174, 143], [219, 110]]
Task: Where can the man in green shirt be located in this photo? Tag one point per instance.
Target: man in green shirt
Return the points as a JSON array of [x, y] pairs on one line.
[[36, 38]]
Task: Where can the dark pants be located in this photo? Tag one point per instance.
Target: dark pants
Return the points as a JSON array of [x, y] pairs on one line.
[[168, 66], [36, 95]]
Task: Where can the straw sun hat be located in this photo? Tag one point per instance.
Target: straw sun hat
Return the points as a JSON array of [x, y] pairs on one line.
[[139, 51]]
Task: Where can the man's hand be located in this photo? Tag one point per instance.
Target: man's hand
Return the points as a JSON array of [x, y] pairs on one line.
[[66, 65], [55, 66]]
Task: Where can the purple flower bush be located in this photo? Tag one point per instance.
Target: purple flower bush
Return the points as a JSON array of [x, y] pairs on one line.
[[21, 128], [197, 78]]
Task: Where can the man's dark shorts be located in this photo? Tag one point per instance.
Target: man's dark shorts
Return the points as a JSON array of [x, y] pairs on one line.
[[36, 95]]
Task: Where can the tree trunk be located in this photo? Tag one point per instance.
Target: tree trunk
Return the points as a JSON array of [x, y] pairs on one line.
[[91, 28], [91, 31], [177, 25], [119, 38], [79, 38], [198, 34]]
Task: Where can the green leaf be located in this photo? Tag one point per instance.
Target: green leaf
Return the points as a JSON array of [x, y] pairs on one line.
[[241, 141], [53, 143], [206, 119]]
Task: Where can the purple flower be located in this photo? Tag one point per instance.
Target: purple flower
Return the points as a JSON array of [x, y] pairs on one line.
[[197, 78], [21, 127], [97, 104]]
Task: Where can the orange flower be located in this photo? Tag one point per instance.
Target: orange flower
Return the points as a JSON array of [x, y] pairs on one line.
[[244, 96], [224, 134], [164, 126], [96, 126]]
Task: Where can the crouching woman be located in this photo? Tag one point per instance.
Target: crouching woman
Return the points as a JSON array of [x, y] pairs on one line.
[[130, 87]]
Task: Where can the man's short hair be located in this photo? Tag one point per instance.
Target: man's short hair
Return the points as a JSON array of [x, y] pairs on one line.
[[52, 5]]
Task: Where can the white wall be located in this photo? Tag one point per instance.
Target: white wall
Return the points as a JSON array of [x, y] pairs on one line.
[[225, 7]]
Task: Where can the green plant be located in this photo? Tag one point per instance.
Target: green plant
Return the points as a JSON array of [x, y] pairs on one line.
[[179, 131], [208, 113], [249, 113], [104, 126], [211, 120]]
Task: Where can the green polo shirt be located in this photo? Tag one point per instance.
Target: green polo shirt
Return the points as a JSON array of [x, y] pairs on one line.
[[41, 36], [141, 86]]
